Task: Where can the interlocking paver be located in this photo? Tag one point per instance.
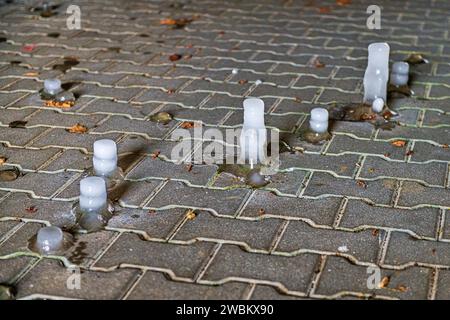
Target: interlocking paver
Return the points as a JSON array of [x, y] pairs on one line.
[[155, 285], [340, 277], [50, 278], [183, 260], [231, 262], [311, 232]]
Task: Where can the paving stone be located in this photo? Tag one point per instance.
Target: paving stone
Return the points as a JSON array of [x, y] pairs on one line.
[[425, 151], [434, 173], [155, 285], [345, 144], [231, 262], [361, 245], [442, 286], [21, 205], [18, 242], [183, 260], [341, 277], [149, 167], [403, 249], [12, 268], [50, 278], [225, 202], [157, 224], [422, 221], [6, 227], [26, 158], [413, 194], [340, 165], [262, 292], [322, 184], [255, 234], [320, 211], [38, 184], [436, 135], [61, 138]]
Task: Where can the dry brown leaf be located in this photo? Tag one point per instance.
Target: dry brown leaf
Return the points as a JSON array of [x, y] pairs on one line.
[[361, 184], [343, 2], [445, 146], [375, 232], [78, 128], [187, 125], [384, 282], [31, 74], [398, 143], [261, 212], [155, 154], [242, 81], [2, 160], [324, 10], [175, 57], [318, 64], [168, 22], [31, 209], [58, 104], [189, 167], [402, 288], [190, 214]]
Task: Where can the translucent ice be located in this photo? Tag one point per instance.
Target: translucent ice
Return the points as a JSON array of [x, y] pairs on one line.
[[105, 157], [93, 195], [52, 86], [49, 240], [400, 73], [319, 120], [253, 140], [377, 105], [377, 72]]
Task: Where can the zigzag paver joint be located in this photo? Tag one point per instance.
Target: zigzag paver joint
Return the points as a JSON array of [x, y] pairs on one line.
[[331, 212]]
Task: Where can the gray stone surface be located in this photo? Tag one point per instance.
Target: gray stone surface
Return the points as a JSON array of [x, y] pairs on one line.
[[335, 208]]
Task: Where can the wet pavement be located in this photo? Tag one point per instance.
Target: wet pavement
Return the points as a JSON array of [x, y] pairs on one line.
[[369, 199]]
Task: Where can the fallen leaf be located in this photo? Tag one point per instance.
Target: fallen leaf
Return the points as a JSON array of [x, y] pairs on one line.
[[175, 57], [416, 58], [402, 288], [189, 167], [445, 146], [155, 154], [261, 212], [187, 125], [151, 212], [298, 99], [31, 209], [190, 214], [242, 81], [318, 64], [375, 232], [29, 47], [17, 124], [371, 170], [59, 104], [78, 128], [387, 154], [409, 152], [398, 143], [361, 184], [31, 74], [176, 23], [324, 10], [171, 91], [384, 282], [161, 117], [2, 160], [168, 22], [343, 2]]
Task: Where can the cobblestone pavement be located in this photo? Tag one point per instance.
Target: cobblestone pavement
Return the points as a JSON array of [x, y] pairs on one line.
[[333, 211]]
